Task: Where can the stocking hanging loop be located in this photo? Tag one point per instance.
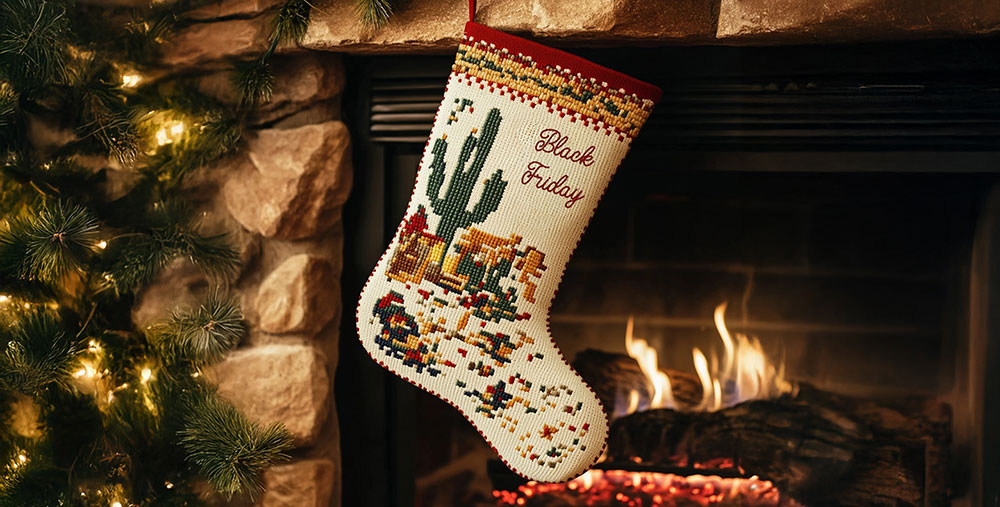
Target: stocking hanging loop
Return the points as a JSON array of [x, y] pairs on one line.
[[472, 10]]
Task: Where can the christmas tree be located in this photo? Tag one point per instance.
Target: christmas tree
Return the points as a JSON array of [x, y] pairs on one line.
[[96, 143]]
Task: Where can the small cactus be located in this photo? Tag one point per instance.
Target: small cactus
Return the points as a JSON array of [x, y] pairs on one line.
[[453, 207]]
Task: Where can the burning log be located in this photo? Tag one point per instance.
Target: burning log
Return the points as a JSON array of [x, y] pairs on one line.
[[816, 447], [741, 418], [615, 376]]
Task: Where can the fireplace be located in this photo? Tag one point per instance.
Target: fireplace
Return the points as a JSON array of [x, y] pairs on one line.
[[803, 236]]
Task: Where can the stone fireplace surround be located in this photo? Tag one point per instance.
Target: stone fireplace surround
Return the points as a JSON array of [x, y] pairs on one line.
[[281, 194]]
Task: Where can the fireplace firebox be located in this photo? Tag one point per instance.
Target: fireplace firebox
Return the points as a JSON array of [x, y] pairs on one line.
[[788, 296]]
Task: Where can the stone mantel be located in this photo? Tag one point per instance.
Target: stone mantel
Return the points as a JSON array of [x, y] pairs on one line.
[[435, 25]]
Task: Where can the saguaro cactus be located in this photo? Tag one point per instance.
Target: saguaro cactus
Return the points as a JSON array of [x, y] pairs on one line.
[[453, 207]]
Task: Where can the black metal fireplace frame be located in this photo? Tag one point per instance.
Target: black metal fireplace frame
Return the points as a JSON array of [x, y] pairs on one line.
[[928, 106]]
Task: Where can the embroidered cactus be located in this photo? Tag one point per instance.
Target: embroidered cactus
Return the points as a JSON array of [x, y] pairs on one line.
[[453, 207]]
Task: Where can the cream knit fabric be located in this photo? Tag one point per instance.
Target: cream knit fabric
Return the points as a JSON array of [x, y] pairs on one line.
[[523, 146]]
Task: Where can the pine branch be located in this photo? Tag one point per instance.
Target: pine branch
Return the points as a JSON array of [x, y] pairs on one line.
[[34, 38], [374, 13], [229, 450], [58, 240], [254, 81], [8, 106], [73, 423], [57, 177], [204, 335], [291, 23], [208, 132], [172, 233], [38, 353], [105, 116], [139, 258], [27, 480], [142, 425]]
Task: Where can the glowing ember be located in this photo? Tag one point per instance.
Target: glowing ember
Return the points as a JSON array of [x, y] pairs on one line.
[[620, 487], [744, 373]]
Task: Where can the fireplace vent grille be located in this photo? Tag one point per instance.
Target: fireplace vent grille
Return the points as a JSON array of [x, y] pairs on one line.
[[877, 112]]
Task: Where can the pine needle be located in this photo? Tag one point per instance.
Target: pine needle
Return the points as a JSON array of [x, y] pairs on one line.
[[292, 22], [229, 450], [374, 13], [204, 335], [37, 353], [47, 246], [254, 81], [172, 232], [33, 42]]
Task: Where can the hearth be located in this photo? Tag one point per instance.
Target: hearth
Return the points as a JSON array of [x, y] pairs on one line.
[[786, 297]]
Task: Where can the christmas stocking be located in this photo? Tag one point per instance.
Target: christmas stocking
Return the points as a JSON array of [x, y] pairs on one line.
[[523, 146]]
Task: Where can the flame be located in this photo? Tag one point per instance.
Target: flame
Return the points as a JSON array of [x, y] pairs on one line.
[[646, 356], [744, 372]]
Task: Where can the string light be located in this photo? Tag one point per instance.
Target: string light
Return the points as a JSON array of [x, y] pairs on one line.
[[146, 374], [20, 460], [116, 504], [4, 298], [130, 80], [102, 245], [169, 133], [86, 370]]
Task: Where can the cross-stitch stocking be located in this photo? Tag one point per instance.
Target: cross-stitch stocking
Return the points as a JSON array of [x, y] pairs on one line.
[[522, 148]]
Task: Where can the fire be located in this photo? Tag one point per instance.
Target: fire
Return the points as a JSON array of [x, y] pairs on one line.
[[621, 487], [646, 356], [743, 373]]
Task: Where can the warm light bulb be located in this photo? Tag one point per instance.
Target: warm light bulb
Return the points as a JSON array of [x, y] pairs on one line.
[[4, 298], [161, 137], [93, 346], [102, 245], [146, 374], [130, 80], [116, 504], [27, 305], [86, 370], [22, 458], [177, 129]]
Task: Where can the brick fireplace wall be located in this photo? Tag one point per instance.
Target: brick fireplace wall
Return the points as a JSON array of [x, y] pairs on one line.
[[844, 276]]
